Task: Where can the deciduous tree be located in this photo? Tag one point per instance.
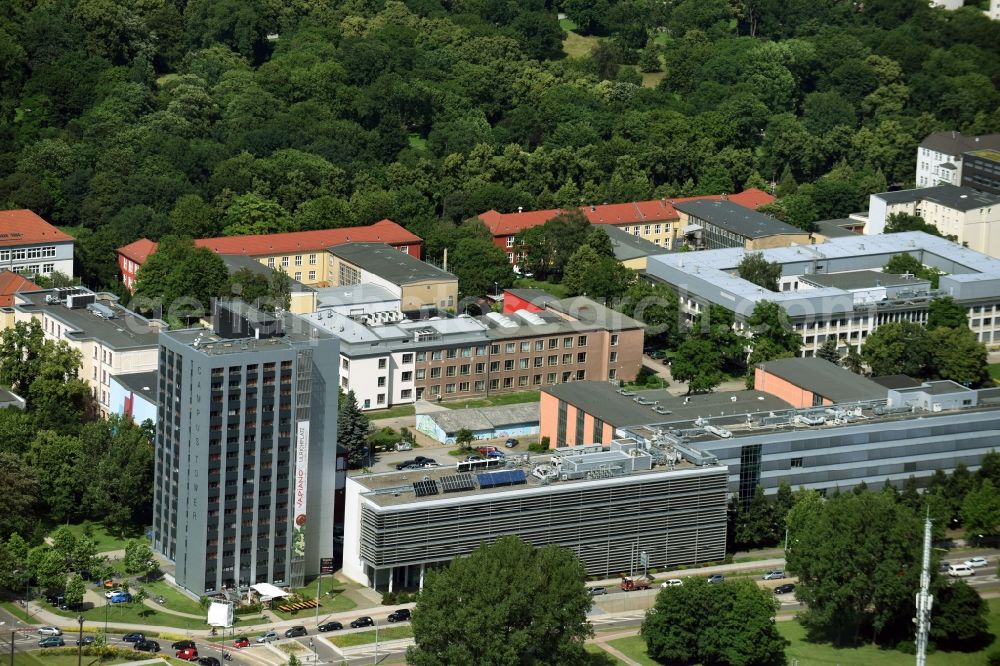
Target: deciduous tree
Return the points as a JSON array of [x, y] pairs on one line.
[[857, 556], [981, 511], [763, 273], [539, 614], [723, 623], [896, 348]]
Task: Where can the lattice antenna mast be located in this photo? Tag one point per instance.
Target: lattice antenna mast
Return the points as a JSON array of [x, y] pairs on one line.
[[924, 598]]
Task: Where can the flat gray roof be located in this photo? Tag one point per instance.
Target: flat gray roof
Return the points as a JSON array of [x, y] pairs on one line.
[[939, 387], [389, 263], [485, 418], [355, 294], [836, 228], [896, 381], [737, 219], [866, 279], [141, 383], [605, 402], [297, 330], [711, 275], [629, 246], [127, 330], [952, 196], [826, 379]]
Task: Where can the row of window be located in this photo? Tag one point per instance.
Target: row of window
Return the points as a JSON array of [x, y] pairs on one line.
[[286, 261], [35, 269], [20, 254], [506, 382]]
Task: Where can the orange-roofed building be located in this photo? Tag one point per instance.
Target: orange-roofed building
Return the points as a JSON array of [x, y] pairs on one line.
[[301, 254], [11, 284], [31, 246], [656, 220]]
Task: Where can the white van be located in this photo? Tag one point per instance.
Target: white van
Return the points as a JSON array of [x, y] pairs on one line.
[[960, 570]]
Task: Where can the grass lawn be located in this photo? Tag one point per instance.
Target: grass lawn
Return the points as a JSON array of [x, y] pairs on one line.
[[556, 290], [176, 600], [807, 654], [391, 413], [35, 658], [417, 142], [652, 79], [494, 401], [366, 637], [16, 611], [595, 650], [105, 542], [995, 372], [569, 25], [141, 614], [578, 46]]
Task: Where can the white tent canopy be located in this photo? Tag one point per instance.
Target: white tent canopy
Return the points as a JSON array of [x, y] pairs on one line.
[[268, 592]]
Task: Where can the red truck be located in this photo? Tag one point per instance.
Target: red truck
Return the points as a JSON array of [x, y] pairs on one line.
[[640, 583]]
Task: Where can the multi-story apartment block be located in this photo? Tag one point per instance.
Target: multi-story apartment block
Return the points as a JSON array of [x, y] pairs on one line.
[[112, 340], [387, 359], [837, 289], [941, 156], [31, 246], [246, 472], [301, 254], [656, 221], [972, 218]]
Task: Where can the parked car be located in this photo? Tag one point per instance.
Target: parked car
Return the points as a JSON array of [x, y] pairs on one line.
[[111, 593], [598, 591], [673, 582], [187, 654], [656, 354], [496, 454], [50, 631], [406, 464], [424, 461], [134, 637], [399, 615], [943, 566], [294, 632], [976, 562], [267, 637], [363, 621], [181, 645], [209, 661], [716, 578], [330, 626], [147, 646], [121, 598], [776, 574], [473, 458], [241, 642], [87, 640], [51, 641], [404, 446], [960, 570], [785, 589], [511, 443], [485, 450]]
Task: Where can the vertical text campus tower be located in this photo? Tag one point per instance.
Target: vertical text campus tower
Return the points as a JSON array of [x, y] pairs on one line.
[[245, 444]]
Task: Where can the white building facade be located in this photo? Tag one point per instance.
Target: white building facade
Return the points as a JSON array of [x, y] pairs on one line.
[[31, 246]]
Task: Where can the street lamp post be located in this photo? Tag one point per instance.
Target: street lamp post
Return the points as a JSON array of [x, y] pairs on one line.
[[106, 604], [79, 642], [376, 642]]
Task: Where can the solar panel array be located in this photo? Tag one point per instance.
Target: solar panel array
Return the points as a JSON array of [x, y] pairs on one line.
[[506, 478], [425, 488], [457, 483]]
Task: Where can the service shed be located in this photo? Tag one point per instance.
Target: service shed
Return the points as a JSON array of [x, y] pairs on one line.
[[484, 422]]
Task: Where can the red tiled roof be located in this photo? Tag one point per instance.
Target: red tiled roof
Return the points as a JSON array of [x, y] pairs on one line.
[[138, 251], [635, 212], [11, 283], [384, 231], [23, 227]]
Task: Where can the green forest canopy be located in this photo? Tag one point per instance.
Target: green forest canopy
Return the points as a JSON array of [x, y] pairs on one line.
[[121, 119]]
